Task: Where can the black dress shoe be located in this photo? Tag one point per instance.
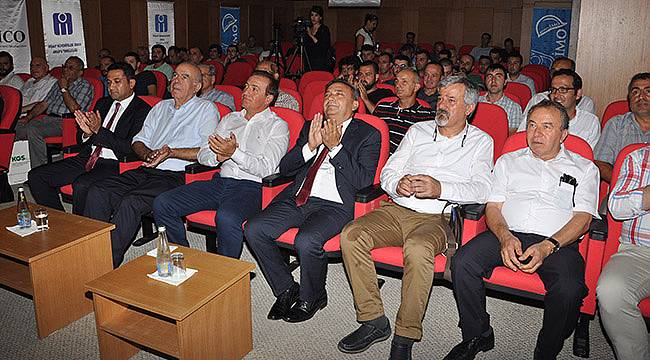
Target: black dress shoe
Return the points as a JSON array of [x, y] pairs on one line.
[[305, 310], [284, 302], [467, 350], [400, 351], [362, 338]]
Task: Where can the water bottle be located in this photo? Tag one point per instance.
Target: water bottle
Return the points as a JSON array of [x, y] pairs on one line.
[[22, 210], [163, 255]]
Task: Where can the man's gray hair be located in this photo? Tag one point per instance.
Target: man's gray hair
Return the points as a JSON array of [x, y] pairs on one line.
[[412, 71], [549, 104], [211, 69], [471, 91]]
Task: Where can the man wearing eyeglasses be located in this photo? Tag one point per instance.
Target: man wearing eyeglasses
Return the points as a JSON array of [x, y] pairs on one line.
[[566, 89], [400, 62]]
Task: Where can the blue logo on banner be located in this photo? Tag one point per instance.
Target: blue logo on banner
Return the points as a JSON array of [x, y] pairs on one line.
[[229, 27], [161, 23], [62, 23], [550, 35]]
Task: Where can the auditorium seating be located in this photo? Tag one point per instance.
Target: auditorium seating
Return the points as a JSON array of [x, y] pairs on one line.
[[286, 83], [296, 96], [386, 86], [235, 91], [218, 71], [237, 73], [493, 120], [520, 90], [314, 88], [24, 76], [614, 108], [426, 46], [92, 73], [56, 71], [466, 49], [343, 49], [13, 102], [310, 76], [161, 83]]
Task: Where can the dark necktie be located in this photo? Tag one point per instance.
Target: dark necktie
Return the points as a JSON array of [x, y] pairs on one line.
[[305, 190], [98, 149]]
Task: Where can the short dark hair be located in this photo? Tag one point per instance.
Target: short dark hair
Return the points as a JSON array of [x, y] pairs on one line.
[[370, 63], [577, 80], [134, 55], [445, 62], [445, 52], [126, 68], [317, 9], [109, 58], [407, 47], [367, 47], [444, 46], [422, 51], [272, 88], [496, 66], [198, 48], [384, 53], [403, 58], [484, 57], [349, 60], [5, 54], [355, 91], [174, 47], [488, 34], [518, 56], [508, 40], [78, 61], [161, 47], [370, 17], [549, 104], [564, 58], [410, 33], [639, 76]]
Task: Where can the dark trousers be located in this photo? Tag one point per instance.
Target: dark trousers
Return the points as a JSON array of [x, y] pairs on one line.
[[45, 180], [318, 220], [563, 275], [234, 200], [123, 199]]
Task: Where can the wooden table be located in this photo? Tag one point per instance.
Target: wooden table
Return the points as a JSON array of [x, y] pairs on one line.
[[53, 266], [206, 317]]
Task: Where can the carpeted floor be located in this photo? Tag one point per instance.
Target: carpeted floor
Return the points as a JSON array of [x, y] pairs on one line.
[[516, 325]]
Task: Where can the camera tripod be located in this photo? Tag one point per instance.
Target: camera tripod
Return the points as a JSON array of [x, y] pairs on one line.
[[276, 49], [301, 51]]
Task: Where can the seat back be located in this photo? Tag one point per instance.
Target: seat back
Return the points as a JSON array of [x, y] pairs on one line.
[[386, 86], [391, 99], [541, 70], [218, 70], [6, 147], [311, 91], [161, 83], [466, 49], [426, 46], [286, 83], [251, 59], [223, 109], [13, 102], [343, 49], [295, 121], [537, 79], [493, 120], [237, 73], [24, 76], [311, 76], [92, 73], [618, 107], [381, 126], [520, 90], [56, 71], [98, 90], [151, 100], [234, 91]]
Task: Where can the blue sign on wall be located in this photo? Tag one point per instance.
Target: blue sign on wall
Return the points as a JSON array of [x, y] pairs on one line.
[[550, 35], [230, 24]]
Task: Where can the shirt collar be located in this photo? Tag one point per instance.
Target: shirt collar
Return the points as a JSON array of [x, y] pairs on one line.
[[125, 103], [260, 115], [561, 155]]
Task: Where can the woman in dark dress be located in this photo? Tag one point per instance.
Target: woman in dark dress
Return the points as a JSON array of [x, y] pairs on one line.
[[317, 41]]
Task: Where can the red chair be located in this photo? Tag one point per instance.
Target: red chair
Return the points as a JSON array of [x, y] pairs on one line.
[[540, 70], [161, 83], [286, 83], [286, 45], [466, 49], [6, 147], [537, 79], [237, 73], [296, 95], [450, 46], [251, 59], [234, 91], [317, 106], [391, 99], [493, 120], [315, 87], [392, 45], [92, 73], [56, 71], [614, 108], [426, 46], [13, 102], [343, 49], [386, 86], [522, 91], [24, 76], [311, 76], [218, 71]]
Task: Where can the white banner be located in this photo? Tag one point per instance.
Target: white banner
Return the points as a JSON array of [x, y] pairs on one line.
[[14, 33], [160, 16], [355, 3], [20, 164], [63, 31]]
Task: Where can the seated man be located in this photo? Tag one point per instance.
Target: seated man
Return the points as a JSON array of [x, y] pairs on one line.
[[284, 99], [483, 63], [36, 88], [447, 67], [421, 177], [208, 92], [630, 128], [158, 62], [421, 60], [145, 81], [104, 63], [196, 55], [566, 89], [248, 145], [400, 62], [7, 75], [232, 55], [534, 225], [348, 67], [626, 278], [406, 110], [367, 53], [484, 48], [515, 62], [496, 56], [72, 93], [331, 162], [495, 82], [429, 91], [367, 85], [106, 137], [385, 63], [170, 138], [466, 66]]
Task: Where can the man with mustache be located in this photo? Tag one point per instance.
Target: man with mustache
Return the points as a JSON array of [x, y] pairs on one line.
[[367, 77], [441, 161]]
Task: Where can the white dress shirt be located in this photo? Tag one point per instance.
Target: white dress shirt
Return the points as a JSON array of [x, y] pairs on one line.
[[35, 91], [13, 80], [584, 125], [462, 164], [324, 186], [534, 200], [262, 141], [106, 152]]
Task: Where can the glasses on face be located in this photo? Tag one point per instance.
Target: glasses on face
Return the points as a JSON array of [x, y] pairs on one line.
[[400, 66], [561, 89], [183, 76], [638, 92]]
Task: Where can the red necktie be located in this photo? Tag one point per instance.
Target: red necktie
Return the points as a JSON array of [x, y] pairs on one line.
[[98, 149], [305, 190]]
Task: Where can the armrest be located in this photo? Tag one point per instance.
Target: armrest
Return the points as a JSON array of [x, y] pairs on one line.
[[598, 230], [196, 168], [276, 180], [472, 211], [129, 158], [369, 193], [6, 131], [72, 149]]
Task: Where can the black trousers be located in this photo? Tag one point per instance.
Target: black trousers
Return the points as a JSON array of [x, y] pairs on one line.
[[563, 275], [318, 220], [45, 180], [123, 199]]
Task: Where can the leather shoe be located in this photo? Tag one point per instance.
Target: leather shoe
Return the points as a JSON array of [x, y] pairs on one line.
[[400, 351], [467, 350], [363, 337], [284, 302], [305, 310]]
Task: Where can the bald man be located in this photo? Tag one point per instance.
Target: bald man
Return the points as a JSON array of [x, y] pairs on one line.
[[35, 89]]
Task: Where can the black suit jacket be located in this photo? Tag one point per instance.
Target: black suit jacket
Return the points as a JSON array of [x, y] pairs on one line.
[[355, 164], [128, 125]]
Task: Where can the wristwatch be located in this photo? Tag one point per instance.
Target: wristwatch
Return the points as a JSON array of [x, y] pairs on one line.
[[64, 90], [556, 244]]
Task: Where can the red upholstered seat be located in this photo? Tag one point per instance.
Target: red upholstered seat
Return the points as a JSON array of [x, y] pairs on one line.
[[286, 83], [311, 91], [614, 108], [237, 73], [493, 120], [161, 83], [311, 76], [92, 73], [234, 91], [219, 70], [466, 49], [13, 102], [522, 91]]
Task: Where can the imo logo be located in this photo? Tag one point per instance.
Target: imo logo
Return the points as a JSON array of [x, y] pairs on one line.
[[227, 22], [548, 23], [161, 23], [62, 23]]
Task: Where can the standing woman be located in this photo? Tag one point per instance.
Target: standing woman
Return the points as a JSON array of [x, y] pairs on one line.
[[317, 42], [365, 35]]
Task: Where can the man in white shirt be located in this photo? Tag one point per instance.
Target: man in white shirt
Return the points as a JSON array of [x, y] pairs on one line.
[[441, 161], [248, 144], [7, 75], [36, 88], [566, 89], [515, 62], [484, 49], [495, 82], [542, 200]]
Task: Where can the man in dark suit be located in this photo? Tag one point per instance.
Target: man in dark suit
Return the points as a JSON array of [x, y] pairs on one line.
[[332, 160], [105, 137]]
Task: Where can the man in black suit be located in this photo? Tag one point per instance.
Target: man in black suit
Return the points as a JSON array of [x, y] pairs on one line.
[[105, 137], [332, 160]]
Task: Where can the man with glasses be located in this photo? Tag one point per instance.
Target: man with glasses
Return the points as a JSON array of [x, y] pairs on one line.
[[208, 92], [400, 62], [566, 89], [172, 134], [495, 82]]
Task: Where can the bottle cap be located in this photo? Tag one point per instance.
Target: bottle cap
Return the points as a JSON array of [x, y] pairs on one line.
[[20, 189], [161, 228]]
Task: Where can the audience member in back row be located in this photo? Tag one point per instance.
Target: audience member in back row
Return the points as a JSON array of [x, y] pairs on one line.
[[625, 280], [208, 92], [367, 53], [248, 145], [421, 177], [421, 60], [400, 62], [515, 62], [406, 110], [483, 63], [484, 48], [429, 91], [7, 75], [369, 93], [170, 138], [630, 128], [196, 55], [365, 35], [36, 88], [105, 137], [284, 99], [332, 160], [214, 52], [566, 89], [385, 63], [348, 67], [72, 93], [495, 81], [158, 62], [145, 81], [317, 41], [533, 226], [585, 103], [466, 66], [104, 63]]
